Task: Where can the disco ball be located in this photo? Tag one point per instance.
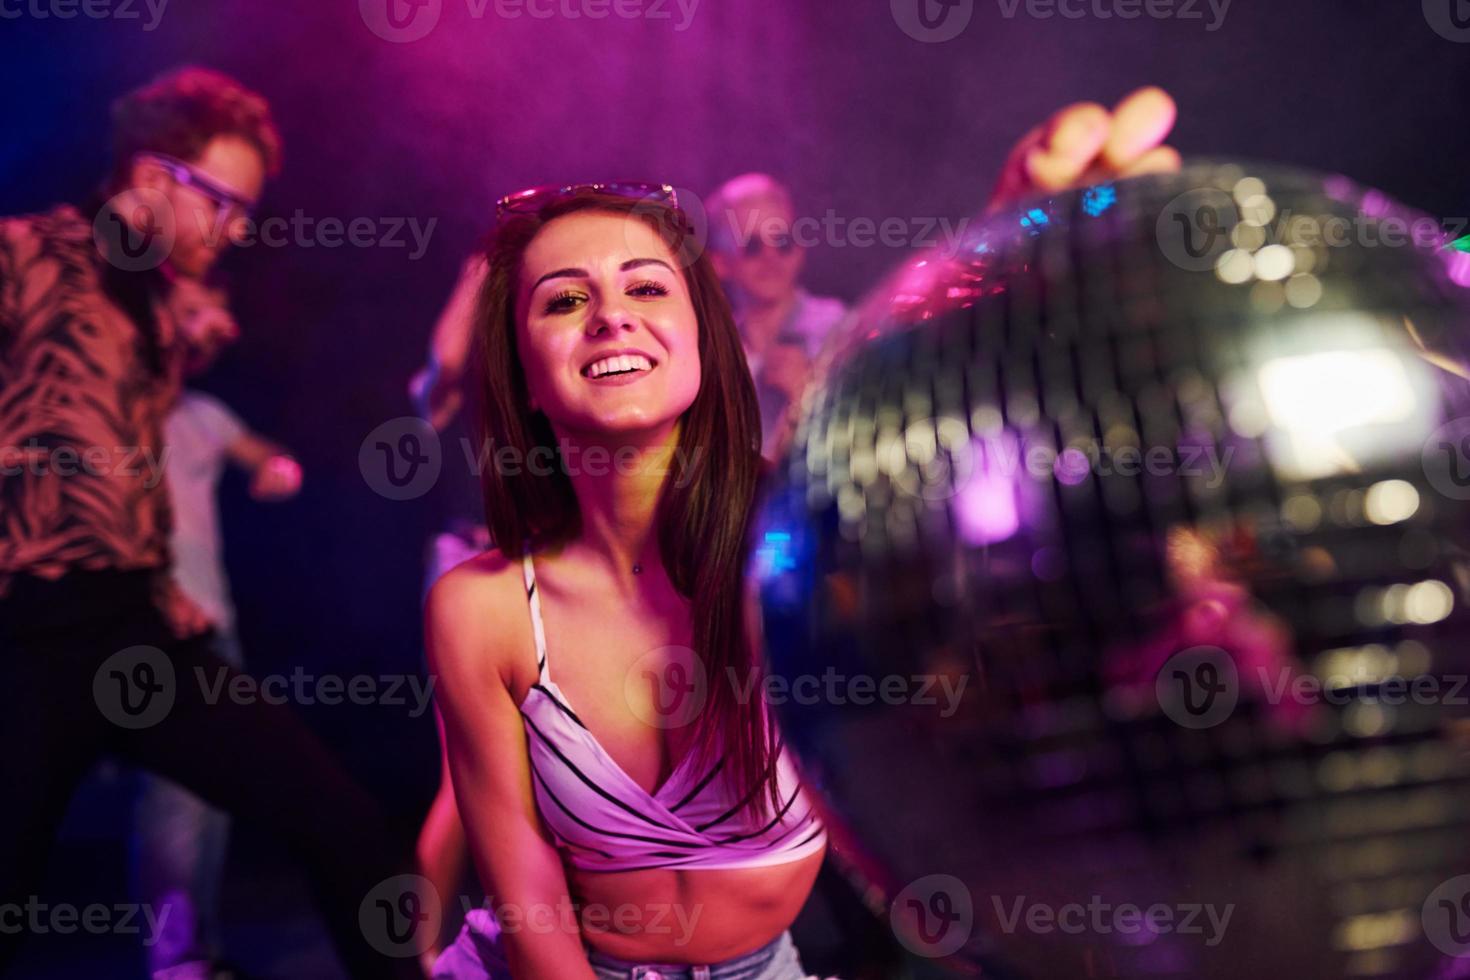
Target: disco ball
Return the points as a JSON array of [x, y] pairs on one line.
[[1115, 586]]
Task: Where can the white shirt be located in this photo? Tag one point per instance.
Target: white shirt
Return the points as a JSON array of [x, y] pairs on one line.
[[197, 432]]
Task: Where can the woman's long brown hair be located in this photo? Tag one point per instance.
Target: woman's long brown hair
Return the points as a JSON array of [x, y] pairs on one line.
[[704, 509]]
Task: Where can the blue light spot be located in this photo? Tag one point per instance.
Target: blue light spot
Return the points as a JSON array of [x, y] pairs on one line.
[[1034, 220], [1096, 200], [775, 554]]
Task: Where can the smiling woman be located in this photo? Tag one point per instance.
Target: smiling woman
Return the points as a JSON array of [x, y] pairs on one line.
[[608, 322], [604, 329]]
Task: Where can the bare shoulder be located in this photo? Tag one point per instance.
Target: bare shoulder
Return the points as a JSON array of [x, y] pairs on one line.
[[473, 616]]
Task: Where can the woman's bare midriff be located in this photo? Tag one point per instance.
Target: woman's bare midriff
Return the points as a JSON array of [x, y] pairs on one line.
[[696, 917], [659, 915]]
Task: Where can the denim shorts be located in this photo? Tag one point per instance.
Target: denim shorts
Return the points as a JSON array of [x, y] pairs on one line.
[[476, 955]]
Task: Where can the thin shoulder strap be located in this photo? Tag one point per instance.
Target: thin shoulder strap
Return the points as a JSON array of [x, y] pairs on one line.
[[537, 629]]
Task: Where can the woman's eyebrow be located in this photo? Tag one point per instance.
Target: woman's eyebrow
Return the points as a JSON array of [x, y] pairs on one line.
[[636, 263], [572, 273]]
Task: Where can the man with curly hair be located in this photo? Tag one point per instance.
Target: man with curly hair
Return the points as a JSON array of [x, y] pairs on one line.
[[102, 311]]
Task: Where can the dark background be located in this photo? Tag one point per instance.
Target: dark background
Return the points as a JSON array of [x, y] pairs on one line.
[[833, 97]]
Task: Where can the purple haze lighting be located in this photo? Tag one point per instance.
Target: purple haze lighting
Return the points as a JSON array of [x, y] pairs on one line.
[[1460, 268]]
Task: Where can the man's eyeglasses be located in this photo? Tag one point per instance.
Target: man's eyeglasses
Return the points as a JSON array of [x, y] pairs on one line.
[[533, 199], [190, 176]]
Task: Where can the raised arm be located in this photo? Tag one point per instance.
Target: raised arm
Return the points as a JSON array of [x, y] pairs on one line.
[[1084, 143], [274, 472], [435, 389], [486, 744]]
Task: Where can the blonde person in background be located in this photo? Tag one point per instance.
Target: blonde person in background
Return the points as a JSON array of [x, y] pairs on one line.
[[759, 258]]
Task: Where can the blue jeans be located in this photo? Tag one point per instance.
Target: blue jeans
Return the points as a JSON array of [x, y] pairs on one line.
[[476, 955], [178, 858]]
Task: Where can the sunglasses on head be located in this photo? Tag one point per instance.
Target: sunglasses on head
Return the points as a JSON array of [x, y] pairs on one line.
[[533, 199], [190, 176]]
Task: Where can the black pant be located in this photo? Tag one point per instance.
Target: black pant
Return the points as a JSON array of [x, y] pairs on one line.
[[85, 666]]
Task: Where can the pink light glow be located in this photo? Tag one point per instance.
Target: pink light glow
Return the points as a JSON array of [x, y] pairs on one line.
[[985, 507]]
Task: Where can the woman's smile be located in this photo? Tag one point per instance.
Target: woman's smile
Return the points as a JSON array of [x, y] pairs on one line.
[[619, 367]]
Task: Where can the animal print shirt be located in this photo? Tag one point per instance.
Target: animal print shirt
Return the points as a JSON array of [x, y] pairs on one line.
[[84, 389]]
